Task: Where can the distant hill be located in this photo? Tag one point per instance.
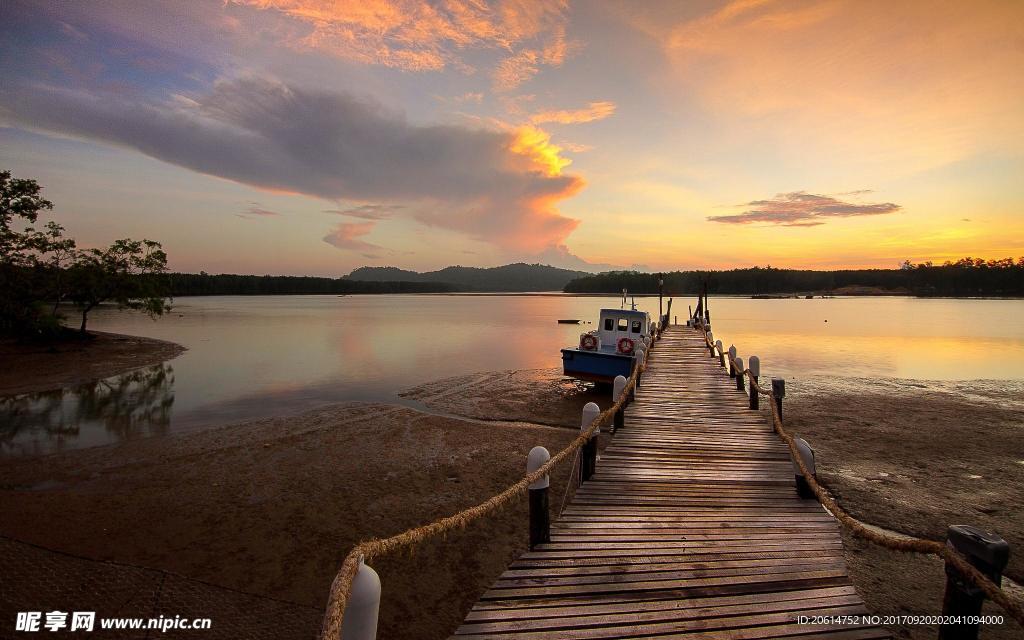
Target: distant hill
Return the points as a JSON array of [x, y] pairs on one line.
[[511, 277]]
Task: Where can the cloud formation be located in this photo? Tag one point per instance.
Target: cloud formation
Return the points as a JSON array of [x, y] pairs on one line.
[[594, 111], [255, 212], [413, 35], [369, 211], [802, 209], [348, 236], [499, 186]]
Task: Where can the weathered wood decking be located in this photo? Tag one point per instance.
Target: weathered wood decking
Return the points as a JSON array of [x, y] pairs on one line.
[[691, 527]]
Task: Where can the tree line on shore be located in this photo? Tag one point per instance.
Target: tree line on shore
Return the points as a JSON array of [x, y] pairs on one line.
[[964, 278], [206, 284], [42, 270]]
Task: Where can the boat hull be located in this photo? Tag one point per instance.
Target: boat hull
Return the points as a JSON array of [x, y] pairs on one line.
[[595, 366]]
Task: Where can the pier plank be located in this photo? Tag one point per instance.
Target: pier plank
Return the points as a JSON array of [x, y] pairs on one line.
[[690, 528]]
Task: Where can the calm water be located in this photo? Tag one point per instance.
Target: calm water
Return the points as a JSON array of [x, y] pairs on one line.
[[252, 357]]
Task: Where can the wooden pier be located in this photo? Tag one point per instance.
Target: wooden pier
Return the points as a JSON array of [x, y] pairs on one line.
[[691, 527]]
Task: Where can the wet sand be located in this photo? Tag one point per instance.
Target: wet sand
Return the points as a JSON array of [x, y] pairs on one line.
[[915, 457], [29, 368], [270, 507]]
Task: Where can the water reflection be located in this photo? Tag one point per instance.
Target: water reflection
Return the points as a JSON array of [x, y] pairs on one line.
[[252, 357], [134, 404]]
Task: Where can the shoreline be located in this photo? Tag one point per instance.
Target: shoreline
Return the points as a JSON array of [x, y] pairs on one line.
[[36, 368]]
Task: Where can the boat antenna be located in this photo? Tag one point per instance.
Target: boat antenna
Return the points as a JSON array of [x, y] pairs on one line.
[[623, 303]]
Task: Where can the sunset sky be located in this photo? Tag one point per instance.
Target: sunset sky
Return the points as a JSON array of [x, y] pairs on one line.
[[312, 137]]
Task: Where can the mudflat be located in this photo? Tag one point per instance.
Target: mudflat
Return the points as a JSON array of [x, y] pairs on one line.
[[271, 507], [29, 368]]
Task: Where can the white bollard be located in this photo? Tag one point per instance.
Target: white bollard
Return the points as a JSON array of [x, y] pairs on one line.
[[536, 459], [721, 352], [732, 356], [360, 622], [619, 388], [807, 455], [739, 373], [540, 512], [755, 366]]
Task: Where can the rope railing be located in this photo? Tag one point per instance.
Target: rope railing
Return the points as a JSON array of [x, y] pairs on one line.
[[341, 587], [1011, 605]]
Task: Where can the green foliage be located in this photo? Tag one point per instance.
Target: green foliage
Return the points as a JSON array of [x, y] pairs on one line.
[[130, 273], [204, 284], [41, 268], [24, 254]]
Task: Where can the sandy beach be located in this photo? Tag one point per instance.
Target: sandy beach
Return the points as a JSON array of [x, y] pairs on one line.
[[270, 507]]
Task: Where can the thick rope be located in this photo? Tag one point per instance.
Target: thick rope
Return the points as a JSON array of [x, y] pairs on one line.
[[1012, 606], [341, 587]]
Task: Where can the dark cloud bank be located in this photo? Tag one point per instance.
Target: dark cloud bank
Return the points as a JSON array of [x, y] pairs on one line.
[[329, 145]]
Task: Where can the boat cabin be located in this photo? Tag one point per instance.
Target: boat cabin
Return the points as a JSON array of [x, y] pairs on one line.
[[622, 323]]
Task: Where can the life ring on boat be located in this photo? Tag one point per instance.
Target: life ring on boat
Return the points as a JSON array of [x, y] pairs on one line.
[[588, 342], [625, 346]]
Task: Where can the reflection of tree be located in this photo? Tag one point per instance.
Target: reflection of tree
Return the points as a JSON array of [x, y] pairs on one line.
[[128, 405]]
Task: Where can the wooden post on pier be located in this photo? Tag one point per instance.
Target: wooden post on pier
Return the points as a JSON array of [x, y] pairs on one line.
[[739, 374], [618, 388], [661, 294], [588, 453], [989, 554], [779, 392], [755, 371], [721, 353], [711, 344], [363, 606], [732, 356], [803, 488], [540, 513]]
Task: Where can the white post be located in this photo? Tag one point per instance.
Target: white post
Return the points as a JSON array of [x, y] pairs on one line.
[[360, 622], [739, 373], [540, 513], [619, 388], [536, 459], [711, 346], [732, 356], [807, 455], [721, 352]]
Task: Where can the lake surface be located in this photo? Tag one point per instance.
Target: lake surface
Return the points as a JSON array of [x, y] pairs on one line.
[[262, 356]]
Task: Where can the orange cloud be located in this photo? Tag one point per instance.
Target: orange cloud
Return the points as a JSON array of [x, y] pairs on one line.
[[595, 111], [429, 36], [348, 237], [535, 144]]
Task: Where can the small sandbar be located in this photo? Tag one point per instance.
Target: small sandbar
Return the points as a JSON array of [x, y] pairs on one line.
[[32, 368]]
